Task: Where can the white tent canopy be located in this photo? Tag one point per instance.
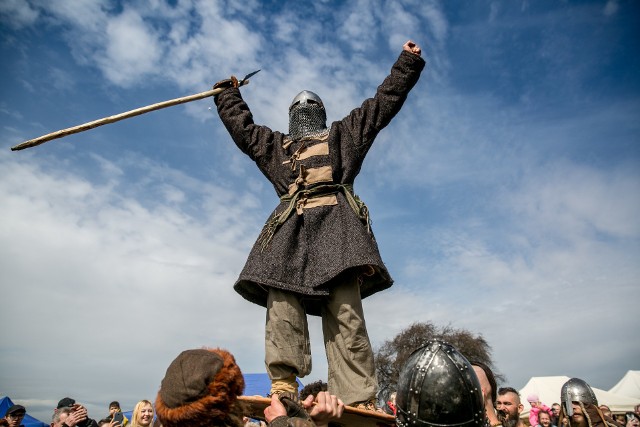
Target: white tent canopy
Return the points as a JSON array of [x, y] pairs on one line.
[[548, 390], [629, 385]]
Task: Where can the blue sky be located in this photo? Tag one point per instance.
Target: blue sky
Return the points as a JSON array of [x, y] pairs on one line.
[[504, 196]]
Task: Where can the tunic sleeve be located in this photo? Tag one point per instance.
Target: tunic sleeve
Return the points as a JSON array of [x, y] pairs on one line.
[[363, 124], [254, 140]]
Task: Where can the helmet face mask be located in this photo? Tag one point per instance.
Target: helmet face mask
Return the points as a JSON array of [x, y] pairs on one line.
[[438, 387], [307, 116]]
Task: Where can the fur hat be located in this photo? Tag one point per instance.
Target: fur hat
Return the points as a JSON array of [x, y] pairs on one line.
[[200, 387]]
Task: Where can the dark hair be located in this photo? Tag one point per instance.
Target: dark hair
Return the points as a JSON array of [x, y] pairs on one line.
[[505, 390], [490, 377], [313, 389], [114, 403]]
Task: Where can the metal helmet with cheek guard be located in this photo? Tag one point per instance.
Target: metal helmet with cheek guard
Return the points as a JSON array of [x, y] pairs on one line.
[[438, 387], [307, 116], [576, 390]]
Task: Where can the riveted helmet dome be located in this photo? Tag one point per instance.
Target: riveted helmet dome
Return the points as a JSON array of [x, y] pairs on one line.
[[307, 116], [438, 387], [576, 390]]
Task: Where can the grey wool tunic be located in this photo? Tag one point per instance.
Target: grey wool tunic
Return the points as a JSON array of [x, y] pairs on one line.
[[323, 237]]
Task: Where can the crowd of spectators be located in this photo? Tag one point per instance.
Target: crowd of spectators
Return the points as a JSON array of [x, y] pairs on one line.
[[201, 388], [69, 413]]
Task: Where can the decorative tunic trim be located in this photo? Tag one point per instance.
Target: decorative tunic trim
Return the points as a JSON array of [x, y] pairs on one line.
[[315, 202], [305, 152], [310, 176], [319, 191]]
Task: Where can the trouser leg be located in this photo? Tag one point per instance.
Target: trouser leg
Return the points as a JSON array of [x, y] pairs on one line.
[[287, 349], [349, 353]]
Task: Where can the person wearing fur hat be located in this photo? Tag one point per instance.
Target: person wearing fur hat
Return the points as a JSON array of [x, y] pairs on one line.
[[201, 389]]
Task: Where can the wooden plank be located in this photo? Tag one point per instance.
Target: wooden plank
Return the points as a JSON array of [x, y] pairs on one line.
[[351, 417]]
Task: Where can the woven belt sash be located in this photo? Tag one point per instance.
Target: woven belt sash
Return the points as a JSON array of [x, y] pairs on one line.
[[300, 198]]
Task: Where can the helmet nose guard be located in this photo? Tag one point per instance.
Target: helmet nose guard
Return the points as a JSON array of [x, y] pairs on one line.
[[576, 390]]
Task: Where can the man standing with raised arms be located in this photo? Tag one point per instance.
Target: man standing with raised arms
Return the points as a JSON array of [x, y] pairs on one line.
[[317, 254]]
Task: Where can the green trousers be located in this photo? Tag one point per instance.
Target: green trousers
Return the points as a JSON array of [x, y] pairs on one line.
[[349, 353]]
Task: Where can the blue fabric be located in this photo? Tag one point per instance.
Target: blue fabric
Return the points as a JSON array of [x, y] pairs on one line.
[[259, 384], [27, 421]]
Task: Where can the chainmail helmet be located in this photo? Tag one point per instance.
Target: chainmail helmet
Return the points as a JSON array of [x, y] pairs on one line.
[[576, 390], [307, 116], [438, 387]]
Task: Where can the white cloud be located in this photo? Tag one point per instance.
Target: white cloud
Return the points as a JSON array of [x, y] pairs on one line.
[[132, 50], [285, 25], [79, 248], [566, 238], [86, 15], [61, 80], [357, 23], [516, 219], [567, 198], [437, 21], [129, 46], [17, 13]]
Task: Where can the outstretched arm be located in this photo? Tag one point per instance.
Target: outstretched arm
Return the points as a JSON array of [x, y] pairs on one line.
[[364, 123], [254, 140]]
